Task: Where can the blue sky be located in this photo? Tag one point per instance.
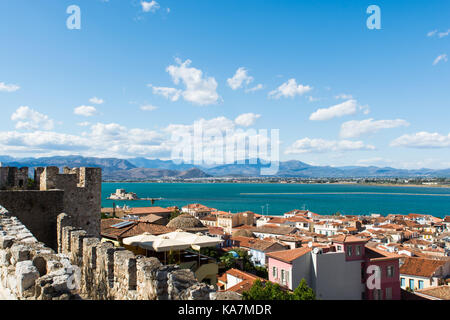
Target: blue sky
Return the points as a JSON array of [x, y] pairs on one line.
[[159, 66]]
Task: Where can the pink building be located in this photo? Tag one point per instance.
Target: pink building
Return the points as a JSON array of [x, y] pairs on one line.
[[338, 271]]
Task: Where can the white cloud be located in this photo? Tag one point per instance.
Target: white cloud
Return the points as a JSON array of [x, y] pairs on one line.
[[96, 100], [169, 93], [344, 96], [442, 57], [422, 139], [354, 128], [431, 33], [8, 87], [30, 119], [444, 34], [339, 110], [84, 124], [240, 77], [116, 140], [198, 90], [149, 6], [148, 108], [85, 111], [255, 88], [308, 145], [246, 119], [289, 89]]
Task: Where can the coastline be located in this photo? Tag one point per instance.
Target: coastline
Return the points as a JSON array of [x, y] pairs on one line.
[[294, 183]]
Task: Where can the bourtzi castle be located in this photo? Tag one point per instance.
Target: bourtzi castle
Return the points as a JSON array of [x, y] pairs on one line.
[[50, 246]]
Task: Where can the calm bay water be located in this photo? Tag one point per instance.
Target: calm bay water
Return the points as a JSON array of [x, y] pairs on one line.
[[281, 198]]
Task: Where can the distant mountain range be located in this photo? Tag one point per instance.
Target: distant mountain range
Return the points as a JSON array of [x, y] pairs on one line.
[[143, 169]]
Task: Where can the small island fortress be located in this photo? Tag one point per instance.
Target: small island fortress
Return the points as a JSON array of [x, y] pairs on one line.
[[121, 194]]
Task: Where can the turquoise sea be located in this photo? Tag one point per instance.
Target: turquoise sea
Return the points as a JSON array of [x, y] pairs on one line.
[[281, 198]]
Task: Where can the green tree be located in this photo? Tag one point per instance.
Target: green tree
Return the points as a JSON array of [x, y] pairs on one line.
[[303, 292], [273, 291]]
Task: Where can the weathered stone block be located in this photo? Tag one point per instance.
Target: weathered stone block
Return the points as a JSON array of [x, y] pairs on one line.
[[6, 242], [26, 275], [19, 252]]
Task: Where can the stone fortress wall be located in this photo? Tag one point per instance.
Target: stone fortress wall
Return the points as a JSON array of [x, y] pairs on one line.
[[75, 191], [71, 262], [109, 272]]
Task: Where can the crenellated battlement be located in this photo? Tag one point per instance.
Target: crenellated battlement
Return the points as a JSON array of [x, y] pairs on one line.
[[13, 178], [76, 191]]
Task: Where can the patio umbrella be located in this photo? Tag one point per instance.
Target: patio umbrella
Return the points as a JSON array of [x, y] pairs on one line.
[[163, 243], [201, 241], [144, 240]]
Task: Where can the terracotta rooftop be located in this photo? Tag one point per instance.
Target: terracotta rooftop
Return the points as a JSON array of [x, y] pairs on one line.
[[149, 210], [421, 267], [197, 206], [289, 255], [273, 229], [134, 229], [254, 243], [344, 238], [440, 292], [375, 254]]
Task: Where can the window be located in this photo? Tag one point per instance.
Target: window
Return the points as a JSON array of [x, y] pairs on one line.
[[349, 251], [403, 282], [390, 271], [420, 284], [358, 250], [282, 276], [287, 278], [274, 272], [411, 284], [388, 293]]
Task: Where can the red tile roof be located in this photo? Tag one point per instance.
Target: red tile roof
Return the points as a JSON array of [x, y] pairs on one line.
[[289, 255], [344, 238], [149, 210], [421, 267]]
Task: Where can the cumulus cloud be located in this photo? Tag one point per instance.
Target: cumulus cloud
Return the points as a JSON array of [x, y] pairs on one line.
[[345, 108], [85, 111], [431, 33], [198, 90], [240, 78], [255, 88], [289, 89], [444, 34], [246, 119], [149, 6], [354, 128], [148, 108], [442, 57], [8, 87], [425, 140], [27, 118], [116, 140], [344, 96], [169, 93], [96, 100], [307, 145]]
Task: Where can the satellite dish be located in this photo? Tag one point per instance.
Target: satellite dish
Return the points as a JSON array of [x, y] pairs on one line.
[[316, 251]]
